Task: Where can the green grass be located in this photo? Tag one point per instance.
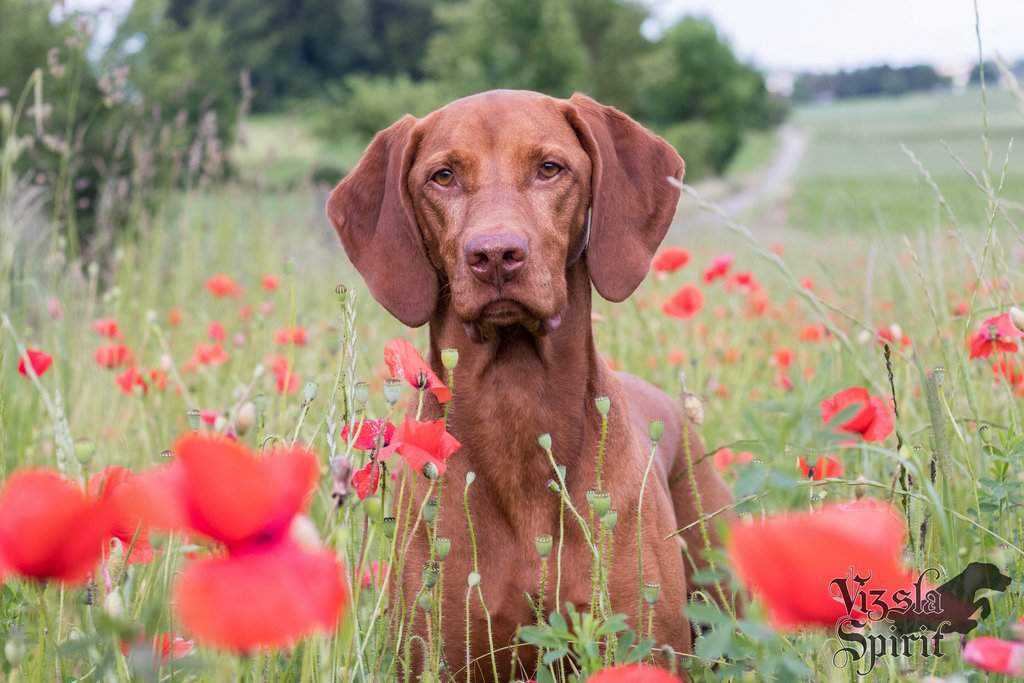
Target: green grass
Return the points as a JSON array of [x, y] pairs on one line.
[[913, 274], [857, 177]]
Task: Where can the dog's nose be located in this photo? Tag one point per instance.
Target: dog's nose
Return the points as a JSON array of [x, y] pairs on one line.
[[496, 258]]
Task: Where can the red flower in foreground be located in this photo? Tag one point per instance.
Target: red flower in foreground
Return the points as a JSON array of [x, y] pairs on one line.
[[633, 673], [49, 528], [107, 327], [115, 356], [222, 285], [670, 259], [685, 303], [718, 268], [810, 549], [130, 379], [267, 590], [108, 486], [40, 362], [825, 467], [874, 419], [367, 432], [725, 458], [996, 334], [403, 360], [995, 655], [421, 442]]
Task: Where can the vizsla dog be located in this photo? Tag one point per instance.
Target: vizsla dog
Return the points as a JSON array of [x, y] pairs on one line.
[[474, 219]]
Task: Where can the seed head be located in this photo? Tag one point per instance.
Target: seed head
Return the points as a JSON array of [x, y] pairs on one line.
[[449, 358], [603, 404], [442, 546], [543, 544]]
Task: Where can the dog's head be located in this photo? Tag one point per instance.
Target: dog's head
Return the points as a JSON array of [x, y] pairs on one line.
[[490, 195]]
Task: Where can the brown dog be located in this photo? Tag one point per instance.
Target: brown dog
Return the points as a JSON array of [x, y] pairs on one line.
[[475, 219]]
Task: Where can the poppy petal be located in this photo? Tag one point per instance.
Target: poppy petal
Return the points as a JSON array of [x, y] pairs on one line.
[[261, 599]]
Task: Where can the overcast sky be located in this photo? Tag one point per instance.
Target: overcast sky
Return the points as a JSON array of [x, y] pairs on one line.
[[826, 34]]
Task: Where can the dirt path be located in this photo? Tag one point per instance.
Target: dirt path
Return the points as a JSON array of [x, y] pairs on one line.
[[762, 187]]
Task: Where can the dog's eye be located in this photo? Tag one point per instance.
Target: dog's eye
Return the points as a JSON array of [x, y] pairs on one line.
[[444, 177], [549, 169]]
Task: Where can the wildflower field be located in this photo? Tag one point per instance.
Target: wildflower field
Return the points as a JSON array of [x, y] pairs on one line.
[[207, 425]]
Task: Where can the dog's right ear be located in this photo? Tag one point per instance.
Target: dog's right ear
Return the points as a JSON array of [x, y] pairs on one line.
[[372, 213]]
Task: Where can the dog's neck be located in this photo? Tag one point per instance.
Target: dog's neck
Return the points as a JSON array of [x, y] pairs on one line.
[[512, 388]]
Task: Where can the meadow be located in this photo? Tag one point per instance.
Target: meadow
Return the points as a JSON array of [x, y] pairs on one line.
[[238, 313]]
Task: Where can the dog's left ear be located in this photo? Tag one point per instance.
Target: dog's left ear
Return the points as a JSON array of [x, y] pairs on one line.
[[632, 202]]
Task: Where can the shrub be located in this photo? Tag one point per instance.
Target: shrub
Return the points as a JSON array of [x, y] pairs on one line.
[[363, 105], [707, 147]]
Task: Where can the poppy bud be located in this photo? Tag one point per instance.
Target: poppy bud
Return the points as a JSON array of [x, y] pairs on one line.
[[309, 392], [392, 391], [361, 393], [113, 604], [372, 506], [473, 579], [430, 471], [430, 509], [610, 519], [388, 524], [193, 417], [84, 450], [470, 477], [245, 418], [603, 404], [14, 650], [561, 472], [442, 546], [600, 502], [543, 545], [1017, 316], [693, 408], [545, 441], [425, 602], [651, 592], [429, 575], [449, 358], [657, 428], [864, 336]]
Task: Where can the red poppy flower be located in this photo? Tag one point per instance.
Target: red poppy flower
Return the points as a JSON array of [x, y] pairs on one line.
[[367, 433], [421, 442], [366, 479], [873, 422], [130, 379], [115, 356], [633, 673], [250, 600], [744, 281], [269, 282], [284, 377], [812, 333], [291, 335], [810, 549], [670, 259], [207, 354], [158, 379], [718, 268], [174, 317], [725, 458], [374, 574], [108, 486], [783, 357], [40, 362], [107, 327], [49, 528], [216, 332], [403, 360], [807, 283], [892, 336], [166, 646], [222, 285], [825, 467], [685, 303], [995, 655], [996, 334], [267, 590]]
